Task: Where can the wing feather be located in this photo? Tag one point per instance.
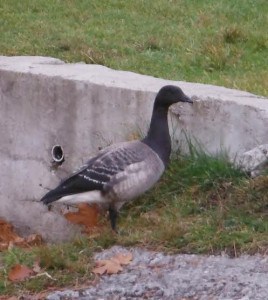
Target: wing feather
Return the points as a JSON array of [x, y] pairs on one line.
[[100, 170]]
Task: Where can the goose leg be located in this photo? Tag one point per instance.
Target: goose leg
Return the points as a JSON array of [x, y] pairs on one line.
[[113, 217]]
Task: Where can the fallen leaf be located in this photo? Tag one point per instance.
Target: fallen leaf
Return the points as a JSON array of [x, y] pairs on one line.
[[99, 270], [86, 215], [29, 241], [112, 265], [19, 273], [7, 233], [108, 266], [9, 239], [33, 240], [123, 258]]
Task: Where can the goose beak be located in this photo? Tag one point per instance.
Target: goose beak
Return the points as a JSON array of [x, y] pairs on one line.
[[187, 99]]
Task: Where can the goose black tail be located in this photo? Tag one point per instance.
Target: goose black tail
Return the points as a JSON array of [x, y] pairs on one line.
[[53, 195]]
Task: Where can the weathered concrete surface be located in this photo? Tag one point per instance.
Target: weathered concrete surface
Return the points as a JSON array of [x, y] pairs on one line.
[[44, 102], [153, 275]]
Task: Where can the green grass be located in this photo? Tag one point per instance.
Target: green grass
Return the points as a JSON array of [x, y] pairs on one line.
[[202, 205], [217, 42], [67, 264]]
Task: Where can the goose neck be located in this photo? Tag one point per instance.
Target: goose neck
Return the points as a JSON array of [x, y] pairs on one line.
[[158, 137]]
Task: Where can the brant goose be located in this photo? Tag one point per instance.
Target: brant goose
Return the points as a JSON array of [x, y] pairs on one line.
[[124, 171]]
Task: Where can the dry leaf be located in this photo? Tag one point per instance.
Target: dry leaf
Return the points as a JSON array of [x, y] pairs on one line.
[[86, 215], [112, 265], [29, 241], [123, 259], [34, 240], [9, 239], [108, 266], [6, 232], [99, 270], [19, 273]]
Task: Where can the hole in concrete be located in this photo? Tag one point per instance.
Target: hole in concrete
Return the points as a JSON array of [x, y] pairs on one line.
[[57, 154]]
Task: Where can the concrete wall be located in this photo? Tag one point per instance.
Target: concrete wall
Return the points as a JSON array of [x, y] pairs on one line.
[[44, 102]]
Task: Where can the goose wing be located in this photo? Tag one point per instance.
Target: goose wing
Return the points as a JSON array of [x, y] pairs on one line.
[[101, 171]]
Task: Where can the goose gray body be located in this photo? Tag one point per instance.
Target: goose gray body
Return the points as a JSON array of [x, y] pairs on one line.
[[119, 173], [124, 171]]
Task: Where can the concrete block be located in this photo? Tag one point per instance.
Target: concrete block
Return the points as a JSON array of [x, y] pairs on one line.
[[45, 102], [255, 161]]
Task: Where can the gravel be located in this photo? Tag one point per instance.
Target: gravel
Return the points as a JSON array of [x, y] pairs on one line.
[[154, 275]]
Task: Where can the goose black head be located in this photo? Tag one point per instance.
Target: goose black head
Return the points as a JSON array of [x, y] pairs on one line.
[[169, 95]]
